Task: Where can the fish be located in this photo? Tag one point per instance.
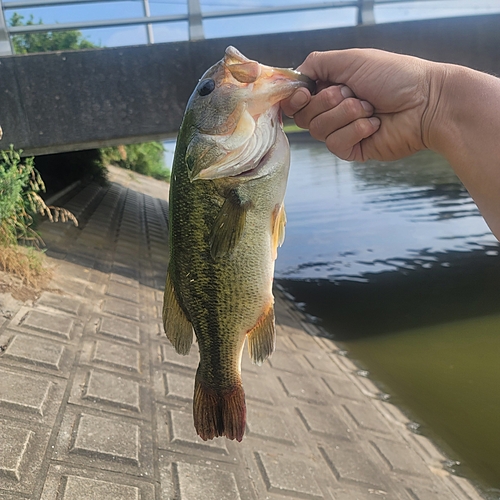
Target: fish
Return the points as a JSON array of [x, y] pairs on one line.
[[226, 221]]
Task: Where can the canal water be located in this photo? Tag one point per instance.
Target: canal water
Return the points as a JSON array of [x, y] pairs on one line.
[[394, 261]]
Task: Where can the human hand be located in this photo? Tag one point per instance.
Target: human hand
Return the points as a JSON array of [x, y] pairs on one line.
[[370, 104]]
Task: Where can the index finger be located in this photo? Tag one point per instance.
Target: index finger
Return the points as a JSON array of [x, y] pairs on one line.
[[333, 66], [295, 102]]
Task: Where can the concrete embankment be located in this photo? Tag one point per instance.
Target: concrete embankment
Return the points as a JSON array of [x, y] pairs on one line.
[[95, 403]]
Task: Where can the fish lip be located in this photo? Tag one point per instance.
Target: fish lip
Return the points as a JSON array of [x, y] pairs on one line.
[[301, 79]]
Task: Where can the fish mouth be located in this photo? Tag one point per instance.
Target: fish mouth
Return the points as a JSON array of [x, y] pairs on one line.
[[261, 88]]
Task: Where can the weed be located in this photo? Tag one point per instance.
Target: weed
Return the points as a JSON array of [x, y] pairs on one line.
[[20, 185]]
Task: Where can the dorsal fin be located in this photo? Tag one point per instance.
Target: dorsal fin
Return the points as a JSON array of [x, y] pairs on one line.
[[262, 337], [228, 226], [177, 327]]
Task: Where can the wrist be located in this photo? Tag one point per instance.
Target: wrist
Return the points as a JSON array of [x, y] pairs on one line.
[[437, 118]]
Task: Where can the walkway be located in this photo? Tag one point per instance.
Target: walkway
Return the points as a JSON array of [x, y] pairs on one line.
[[95, 404]]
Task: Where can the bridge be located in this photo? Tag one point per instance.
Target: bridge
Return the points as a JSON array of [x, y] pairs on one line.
[[73, 100]]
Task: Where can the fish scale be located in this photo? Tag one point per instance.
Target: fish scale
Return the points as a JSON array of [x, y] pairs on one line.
[[226, 220]]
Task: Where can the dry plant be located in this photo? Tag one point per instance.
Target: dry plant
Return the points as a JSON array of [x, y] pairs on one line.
[[20, 185]]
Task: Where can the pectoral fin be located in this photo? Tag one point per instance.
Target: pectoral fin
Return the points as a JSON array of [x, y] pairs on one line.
[[177, 327], [279, 223], [262, 337], [228, 227]]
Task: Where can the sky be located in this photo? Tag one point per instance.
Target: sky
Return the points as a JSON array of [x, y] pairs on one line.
[[247, 25]]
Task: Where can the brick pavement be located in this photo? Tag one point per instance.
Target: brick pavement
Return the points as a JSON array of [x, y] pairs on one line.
[[95, 404]]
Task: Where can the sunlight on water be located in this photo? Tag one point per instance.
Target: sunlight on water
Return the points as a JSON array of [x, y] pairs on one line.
[[400, 268], [346, 219]]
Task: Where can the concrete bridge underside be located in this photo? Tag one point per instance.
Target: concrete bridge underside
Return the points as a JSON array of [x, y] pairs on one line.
[[63, 101]]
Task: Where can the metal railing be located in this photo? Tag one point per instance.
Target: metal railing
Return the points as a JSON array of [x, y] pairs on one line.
[[194, 16]]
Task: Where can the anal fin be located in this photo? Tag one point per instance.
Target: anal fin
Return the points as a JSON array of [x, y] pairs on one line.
[[262, 337], [177, 327], [219, 412]]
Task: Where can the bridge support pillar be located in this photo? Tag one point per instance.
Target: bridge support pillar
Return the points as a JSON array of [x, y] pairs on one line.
[[5, 44], [366, 14]]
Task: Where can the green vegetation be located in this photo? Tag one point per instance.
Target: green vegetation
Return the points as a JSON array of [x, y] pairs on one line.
[[28, 43], [20, 201], [145, 158]]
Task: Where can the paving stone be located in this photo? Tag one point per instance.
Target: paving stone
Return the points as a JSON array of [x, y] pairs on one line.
[[308, 389], [35, 351], [121, 308], [287, 362], [266, 424], [128, 271], [323, 421], [182, 431], [60, 302], [366, 417], [106, 438], [123, 280], [348, 463], [352, 493], [178, 385], [342, 386], [14, 444], [205, 483], [49, 323], [113, 389], [79, 488], [285, 476], [323, 363], [400, 457], [22, 392], [423, 493], [260, 386], [304, 343], [168, 355], [119, 329], [117, 356], [123, 292], [65, 482], [22, 449]]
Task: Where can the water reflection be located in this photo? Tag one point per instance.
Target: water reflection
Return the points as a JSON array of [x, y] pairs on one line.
[[348, 219], [398, 265]]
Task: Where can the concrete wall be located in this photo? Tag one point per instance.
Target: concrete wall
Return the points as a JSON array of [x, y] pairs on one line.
[[65, 101]]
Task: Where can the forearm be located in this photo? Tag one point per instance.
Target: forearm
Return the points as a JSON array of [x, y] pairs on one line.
[[463, 124]]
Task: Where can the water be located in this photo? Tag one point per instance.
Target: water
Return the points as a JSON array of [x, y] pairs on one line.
[[397, 264]]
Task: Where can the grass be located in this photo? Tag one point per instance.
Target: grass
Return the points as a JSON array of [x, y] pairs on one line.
[[20, 203], [145, 158]]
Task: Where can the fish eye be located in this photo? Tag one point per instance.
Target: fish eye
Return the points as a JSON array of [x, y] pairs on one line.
[[206, 87]]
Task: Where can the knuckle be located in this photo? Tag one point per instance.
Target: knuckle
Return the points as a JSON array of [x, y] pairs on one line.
[[334, 147], [362, 128], [330, 97], [352, 108], [316, 128], [300, 120]]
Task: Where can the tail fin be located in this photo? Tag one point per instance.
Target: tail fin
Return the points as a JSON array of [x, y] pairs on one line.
[[219, 413]]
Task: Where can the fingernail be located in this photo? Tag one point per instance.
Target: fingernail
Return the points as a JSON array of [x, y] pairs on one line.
[[375, 121], [346, 92], [298, 100], [367, 106]]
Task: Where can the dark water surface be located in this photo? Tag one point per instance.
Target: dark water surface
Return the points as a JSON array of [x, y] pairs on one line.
[[397, 264]]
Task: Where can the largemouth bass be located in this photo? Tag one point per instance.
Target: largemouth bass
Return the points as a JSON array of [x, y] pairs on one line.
[[226, 221]]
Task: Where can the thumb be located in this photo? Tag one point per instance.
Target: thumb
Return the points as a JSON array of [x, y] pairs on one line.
[[334, 66]]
